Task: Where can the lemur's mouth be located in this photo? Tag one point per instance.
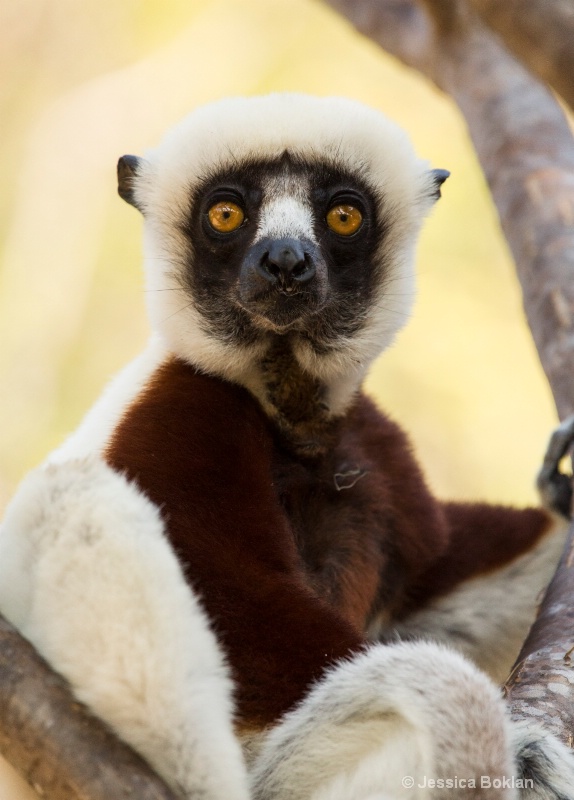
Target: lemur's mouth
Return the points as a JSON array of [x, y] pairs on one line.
[[281, 309]]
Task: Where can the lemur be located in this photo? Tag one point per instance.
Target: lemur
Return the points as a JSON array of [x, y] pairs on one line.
[[235, 560]]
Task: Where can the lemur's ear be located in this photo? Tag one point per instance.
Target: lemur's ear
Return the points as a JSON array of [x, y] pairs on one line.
[[128, 167], [439, 176]]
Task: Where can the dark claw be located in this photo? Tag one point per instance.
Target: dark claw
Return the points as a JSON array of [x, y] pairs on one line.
[[555, 487]]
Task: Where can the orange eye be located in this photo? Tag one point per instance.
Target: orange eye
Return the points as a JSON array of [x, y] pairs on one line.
[[344, 219], [225, 216]]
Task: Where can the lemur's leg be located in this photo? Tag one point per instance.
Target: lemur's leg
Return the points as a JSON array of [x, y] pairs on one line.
[[88, 577], [545, 765], [408, 722], [386, 724]]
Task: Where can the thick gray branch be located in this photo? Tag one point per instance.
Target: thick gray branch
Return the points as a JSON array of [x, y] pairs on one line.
[[540, 33], [541, 685], [55, 743], [524, 146]]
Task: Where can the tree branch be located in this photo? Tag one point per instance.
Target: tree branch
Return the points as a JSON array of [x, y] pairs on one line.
[[541, 683], [540, 33], [525, 148], [55, 743]]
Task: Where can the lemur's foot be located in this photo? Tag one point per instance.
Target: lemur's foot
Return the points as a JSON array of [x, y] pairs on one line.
[[555, 487]]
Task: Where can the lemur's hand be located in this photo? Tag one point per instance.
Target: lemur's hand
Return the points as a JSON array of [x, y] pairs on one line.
[[555, 487]]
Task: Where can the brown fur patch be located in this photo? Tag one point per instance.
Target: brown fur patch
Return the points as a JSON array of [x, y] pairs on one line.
[[290, 567], [483, 538]]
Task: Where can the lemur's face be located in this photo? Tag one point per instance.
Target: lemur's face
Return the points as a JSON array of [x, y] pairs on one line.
[[282, 245], [283, 216]]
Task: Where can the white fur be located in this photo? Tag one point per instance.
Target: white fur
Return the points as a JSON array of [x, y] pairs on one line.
[[225, 133], [88, 576], [487, 618], [408, 710], [285, 216]]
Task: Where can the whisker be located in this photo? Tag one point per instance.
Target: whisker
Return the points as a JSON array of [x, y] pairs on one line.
[[188, 305], [173, 289], [388, 310]]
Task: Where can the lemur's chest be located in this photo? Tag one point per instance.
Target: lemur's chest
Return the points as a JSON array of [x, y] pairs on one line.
[[234, 497], [340, 519]]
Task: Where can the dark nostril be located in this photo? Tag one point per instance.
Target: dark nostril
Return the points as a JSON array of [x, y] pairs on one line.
[[301, 268], [273, 267], [304, 271]]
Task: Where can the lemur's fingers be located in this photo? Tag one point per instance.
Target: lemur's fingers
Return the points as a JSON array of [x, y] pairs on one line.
[[555, 487]]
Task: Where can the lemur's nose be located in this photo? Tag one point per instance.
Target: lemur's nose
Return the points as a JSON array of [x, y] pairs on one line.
[[286, 263]]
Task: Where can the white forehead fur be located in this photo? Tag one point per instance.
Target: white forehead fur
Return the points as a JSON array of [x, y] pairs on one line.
[[218, 136], [285, 210]]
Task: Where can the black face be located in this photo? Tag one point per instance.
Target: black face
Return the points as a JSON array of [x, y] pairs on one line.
[[318, 284]]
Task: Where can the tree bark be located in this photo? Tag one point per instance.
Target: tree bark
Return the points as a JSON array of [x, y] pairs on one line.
[[54, 742], [540, 33], [541, 684]]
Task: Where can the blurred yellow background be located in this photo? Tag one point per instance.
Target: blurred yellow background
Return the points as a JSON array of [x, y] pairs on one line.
[[85, 82]]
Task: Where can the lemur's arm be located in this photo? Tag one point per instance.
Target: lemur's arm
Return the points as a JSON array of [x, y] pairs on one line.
[[87, 575], [480, 595]]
